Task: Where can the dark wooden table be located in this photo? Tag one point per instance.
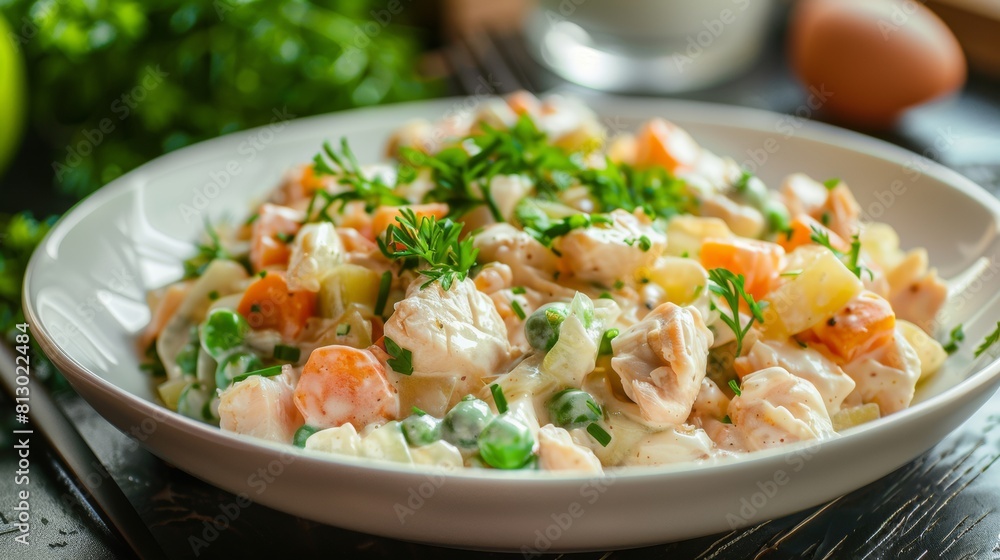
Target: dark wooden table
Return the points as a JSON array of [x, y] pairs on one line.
[[944, 504]]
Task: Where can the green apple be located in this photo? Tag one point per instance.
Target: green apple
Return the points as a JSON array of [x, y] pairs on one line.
[[12, 109]]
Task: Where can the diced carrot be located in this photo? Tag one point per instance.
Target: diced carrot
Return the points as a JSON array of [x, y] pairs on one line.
[[758, 261], [267, 246], [866, 322], [269, 304], [660, 142], [310, 182], [802, 229], [386, 215], [340, 384], [524, 103]]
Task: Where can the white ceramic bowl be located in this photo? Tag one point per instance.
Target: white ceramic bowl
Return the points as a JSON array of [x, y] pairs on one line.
[[85, 292]]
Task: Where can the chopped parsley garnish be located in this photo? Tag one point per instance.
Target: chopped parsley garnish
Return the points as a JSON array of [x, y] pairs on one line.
[[283, 237], [418, 411], [518, 310], [343, 329], [207, 252], [401, 359], [345, 167], [735, 386], [254, 308], [654, 190], [853, 256], [213, 295], [266, 372], [546, 230], [434, 242], [518, 290], [990, 340], [286, 353], [956, 336], [731, 287], [599, 434], [498, 398], [726, 420], [831, 184], [618, 285]]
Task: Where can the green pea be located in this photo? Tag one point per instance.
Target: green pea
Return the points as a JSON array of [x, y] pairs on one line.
[[302, 434], [777, 215], [236, 364], [421, 429], [465, 421], [573, 408], [223, 330], [506, 443], [542, 327]]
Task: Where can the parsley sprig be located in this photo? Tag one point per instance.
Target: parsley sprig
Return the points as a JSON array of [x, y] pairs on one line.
[[207, 252], [654, 189], [731, 287], [851, 258], [435, 243], [345, 167], [400, 359]]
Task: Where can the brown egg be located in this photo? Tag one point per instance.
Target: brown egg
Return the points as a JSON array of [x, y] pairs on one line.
[[872, 59]]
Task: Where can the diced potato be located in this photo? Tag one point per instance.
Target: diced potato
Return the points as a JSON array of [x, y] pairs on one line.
[[347, 284], [855, 416], [930, 352], [438, 454], [822, 289], [385, 442], [341, 439], [686, 233], [170, 391], [682, 279], [881, 243]]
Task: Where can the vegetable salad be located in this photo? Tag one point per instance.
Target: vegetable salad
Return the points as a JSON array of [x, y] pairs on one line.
[[517, 290]]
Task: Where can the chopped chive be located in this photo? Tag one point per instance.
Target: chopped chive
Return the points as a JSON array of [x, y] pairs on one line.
[[605, 295], [824, 218], [990, 340], [598, 433], [252, 219], [383, 293], [266, 372], [800, 343], [213, 295], [418, 411], [518, 290], [726, 419], [795, 272], [735, 387], [343, 329], [518, 310], [606, 338], [286, 353], [498, 398]]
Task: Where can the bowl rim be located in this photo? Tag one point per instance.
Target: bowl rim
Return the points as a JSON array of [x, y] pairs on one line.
[[731, 116]]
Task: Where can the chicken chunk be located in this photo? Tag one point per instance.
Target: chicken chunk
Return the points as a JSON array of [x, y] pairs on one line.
[[453, 332], [674, 445], [887, 375], [776, 407], [611, 252], [915, 292], [261, 407], [661, 361], [808, 363], [316, 250], [558, 452], [532, 265]]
